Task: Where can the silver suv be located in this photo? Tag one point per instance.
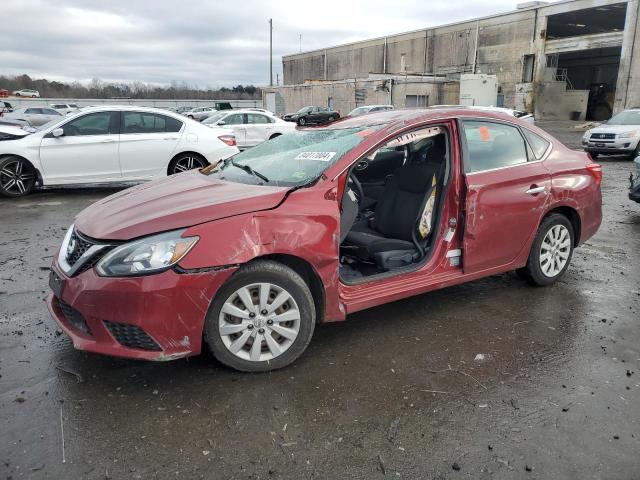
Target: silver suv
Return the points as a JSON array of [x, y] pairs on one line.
[[619, 134]]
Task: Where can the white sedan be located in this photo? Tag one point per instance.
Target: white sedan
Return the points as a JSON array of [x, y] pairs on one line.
[[250, 127], [108, 144]]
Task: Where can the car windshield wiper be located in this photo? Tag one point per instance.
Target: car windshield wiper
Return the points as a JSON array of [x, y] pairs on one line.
[[250, 170]]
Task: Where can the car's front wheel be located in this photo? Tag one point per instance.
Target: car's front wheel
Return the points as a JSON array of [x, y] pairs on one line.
[[551, 251], [17, 177], [262, 319], [302, 121], [186, 161]]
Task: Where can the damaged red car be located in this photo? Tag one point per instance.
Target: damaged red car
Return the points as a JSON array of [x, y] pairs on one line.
[[248, 255]]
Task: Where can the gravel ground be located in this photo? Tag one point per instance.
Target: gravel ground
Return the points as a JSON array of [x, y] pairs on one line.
[[396, 391]]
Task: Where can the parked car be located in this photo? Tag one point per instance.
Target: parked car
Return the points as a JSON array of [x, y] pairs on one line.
[[183, 110], [109, 144], [369, 109], [34, 116], [620, 134], [200, 113], [250, 127], [634, 189], [312, 115], [4, 93], [64, 108], [25, 92], [249, 255]]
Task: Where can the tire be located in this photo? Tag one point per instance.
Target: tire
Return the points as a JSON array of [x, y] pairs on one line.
[[190, 116], [552, 235], [302, 122], [635, 152], [331, 119], [594, 155], [17, 177], [186, 161], [282, 282], [275, 135]]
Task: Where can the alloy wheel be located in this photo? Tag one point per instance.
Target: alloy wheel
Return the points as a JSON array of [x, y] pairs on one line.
[[188, 162], [259, 322], [15, 179], [555, 250]]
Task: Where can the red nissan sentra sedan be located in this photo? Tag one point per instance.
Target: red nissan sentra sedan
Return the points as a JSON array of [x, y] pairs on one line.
[[249, 254]]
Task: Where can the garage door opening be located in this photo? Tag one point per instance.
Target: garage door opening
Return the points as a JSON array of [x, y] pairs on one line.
[[595, 70], [588, 21]]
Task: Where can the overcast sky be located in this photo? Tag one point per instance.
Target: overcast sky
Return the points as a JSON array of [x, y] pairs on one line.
[[208, 43]]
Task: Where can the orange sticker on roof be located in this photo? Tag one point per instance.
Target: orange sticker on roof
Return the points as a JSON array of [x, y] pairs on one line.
[[365, 133], [485, 134]]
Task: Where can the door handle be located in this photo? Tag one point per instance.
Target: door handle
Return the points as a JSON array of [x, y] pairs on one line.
[[170, 138], [536, 190], [108, 140]]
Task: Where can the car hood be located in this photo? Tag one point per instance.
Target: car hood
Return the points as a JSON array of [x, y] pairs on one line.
[[605, 128], [178, 201]]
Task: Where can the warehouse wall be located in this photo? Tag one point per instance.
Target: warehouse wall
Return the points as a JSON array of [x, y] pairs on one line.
[[443, 50]]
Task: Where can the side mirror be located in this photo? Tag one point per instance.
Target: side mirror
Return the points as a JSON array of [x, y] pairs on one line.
[[222, 122], [57, 132]]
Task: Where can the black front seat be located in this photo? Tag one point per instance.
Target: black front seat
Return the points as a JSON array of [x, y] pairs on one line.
[[388, 239]]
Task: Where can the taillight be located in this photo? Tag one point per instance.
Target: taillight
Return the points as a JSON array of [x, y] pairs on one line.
[[595, 169], [228, 139]]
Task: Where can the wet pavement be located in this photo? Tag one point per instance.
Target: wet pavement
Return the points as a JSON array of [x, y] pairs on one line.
[[492, 379]]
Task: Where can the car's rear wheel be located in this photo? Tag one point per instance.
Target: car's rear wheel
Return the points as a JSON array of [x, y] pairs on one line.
[[551, 251], [331, 118], [186, 161], [17, 177], [261, 319], [302, 121]]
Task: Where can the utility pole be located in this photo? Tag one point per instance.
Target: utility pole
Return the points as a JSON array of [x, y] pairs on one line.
[[300, 38], [271, 52]]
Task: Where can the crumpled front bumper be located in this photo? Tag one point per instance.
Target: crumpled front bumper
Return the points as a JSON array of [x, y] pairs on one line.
[[154, 317]]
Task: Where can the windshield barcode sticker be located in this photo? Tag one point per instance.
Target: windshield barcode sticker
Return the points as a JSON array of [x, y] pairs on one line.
[[320, 156]]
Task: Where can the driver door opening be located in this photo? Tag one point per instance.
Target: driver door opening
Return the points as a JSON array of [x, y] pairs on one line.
[[390, 205]]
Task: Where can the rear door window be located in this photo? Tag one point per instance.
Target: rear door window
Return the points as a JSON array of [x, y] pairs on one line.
[[255, 118], [145, 122], [493, 145]]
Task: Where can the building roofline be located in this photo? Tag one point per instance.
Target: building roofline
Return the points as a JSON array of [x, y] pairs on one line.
[[446, 25]]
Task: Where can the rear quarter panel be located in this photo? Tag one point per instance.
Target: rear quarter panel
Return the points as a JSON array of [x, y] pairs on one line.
[[573, 186]]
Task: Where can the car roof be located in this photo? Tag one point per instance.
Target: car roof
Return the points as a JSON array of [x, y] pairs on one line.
[[126, 108], [417, 115]]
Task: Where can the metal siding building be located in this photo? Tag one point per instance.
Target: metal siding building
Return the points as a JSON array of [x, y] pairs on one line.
[[546, 57]]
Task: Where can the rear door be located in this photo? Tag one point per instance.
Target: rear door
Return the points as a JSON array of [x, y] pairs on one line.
[[147, 143], [258, 128], [88, 150], [507, 189], [237, 122]]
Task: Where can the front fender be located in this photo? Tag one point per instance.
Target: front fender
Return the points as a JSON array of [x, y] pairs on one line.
[[292, 231]]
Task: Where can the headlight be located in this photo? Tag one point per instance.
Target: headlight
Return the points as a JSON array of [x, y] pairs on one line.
[[149, 255], [631, 134]]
